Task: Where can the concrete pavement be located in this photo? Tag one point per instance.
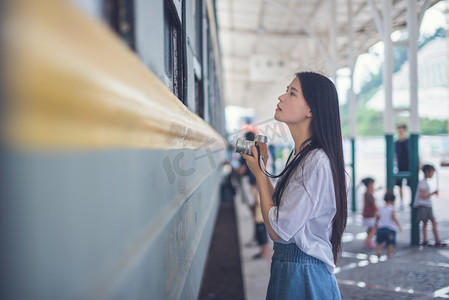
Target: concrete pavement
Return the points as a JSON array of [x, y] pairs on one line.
[[413, 273]]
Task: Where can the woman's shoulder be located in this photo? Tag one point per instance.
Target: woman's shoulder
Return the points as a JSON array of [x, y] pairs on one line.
[[318, 157], [316, 162]]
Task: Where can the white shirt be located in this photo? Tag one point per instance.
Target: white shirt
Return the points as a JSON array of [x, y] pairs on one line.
[[422, 186], [307, 209], [386, 217]]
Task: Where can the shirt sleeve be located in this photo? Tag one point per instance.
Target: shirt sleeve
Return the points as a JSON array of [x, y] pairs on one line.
[[300, 199]]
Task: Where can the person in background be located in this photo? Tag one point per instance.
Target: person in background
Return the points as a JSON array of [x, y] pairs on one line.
[[272, 151], [401, 149], [423, 205], [247, 179], [369, 212], [249, 192], [261, 231], [387, 224]]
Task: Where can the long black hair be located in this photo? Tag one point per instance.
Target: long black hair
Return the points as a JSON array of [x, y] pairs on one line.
[[321, 96]]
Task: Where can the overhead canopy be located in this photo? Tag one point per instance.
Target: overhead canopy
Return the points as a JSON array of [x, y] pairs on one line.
[[264, 42]]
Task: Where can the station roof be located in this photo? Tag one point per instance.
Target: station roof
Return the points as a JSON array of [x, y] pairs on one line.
[[264, 42]]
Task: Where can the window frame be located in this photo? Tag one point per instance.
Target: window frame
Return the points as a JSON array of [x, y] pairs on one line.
[[175, 70], [121, 21]]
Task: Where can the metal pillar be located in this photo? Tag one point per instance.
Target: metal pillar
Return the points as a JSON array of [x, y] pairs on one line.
[[414, 170], [414, 116], [385, 31], [387, 83], [352, 109], [353, 194], [389, 160]]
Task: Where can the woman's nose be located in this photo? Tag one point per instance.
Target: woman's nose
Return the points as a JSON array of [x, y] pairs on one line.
[[280, 97]]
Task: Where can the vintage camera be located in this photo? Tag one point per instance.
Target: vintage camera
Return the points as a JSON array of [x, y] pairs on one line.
[[244, 146]]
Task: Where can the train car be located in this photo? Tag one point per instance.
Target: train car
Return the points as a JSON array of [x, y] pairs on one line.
[[113, 148]]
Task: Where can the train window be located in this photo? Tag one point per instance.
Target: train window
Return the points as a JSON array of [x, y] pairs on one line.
[[174, 52], [120, 16], [198, 19], [168, 57], [212, 81], [199, 99], [197, 36]]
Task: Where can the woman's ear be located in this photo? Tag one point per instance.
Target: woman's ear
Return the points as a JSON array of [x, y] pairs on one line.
[[309, 114]]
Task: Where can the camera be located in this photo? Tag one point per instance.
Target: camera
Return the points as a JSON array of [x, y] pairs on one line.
[[244, 146]]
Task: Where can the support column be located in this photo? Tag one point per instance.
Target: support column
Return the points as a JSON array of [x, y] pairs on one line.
[[387, 83], [412, 26], [351, 101], [389, 160], [353, 193]]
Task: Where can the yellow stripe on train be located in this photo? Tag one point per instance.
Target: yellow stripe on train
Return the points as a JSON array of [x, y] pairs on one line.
[[74, 84]]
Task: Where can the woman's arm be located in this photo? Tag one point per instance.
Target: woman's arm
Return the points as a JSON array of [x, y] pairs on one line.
[[266, 188], [270, 185], [266, 203]]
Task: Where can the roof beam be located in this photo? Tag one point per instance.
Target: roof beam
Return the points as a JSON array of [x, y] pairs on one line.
[[425, 7], [309, 31], [377, 16], [268, 34]]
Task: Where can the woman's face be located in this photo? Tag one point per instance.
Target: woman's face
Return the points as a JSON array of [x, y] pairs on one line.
[[292, 107]]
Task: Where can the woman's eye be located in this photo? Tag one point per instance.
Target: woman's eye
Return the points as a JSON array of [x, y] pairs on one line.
[[292, 94]]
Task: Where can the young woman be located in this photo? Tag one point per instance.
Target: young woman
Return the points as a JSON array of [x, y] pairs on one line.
[[305, 214]]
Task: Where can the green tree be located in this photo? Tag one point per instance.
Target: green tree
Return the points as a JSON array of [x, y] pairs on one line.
[[369, 122], [433, 126]]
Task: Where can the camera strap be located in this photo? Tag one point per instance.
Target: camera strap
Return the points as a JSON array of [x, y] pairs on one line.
[[287, 167]]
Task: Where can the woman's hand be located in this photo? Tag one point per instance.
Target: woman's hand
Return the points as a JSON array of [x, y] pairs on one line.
[[251, 160]]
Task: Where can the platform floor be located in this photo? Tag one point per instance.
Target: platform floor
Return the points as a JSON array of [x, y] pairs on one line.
[[415, 272]]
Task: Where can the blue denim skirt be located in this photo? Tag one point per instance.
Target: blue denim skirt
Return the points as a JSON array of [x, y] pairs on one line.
[[296, 275]]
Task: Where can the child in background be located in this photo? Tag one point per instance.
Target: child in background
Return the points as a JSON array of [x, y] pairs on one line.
[[387, 224], [423, 204], [261, 231], [369, 212]]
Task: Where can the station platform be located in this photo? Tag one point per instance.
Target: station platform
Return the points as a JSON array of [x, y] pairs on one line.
[[415, 272]]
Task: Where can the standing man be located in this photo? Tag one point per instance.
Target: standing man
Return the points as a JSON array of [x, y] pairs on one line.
[[401, 147]]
